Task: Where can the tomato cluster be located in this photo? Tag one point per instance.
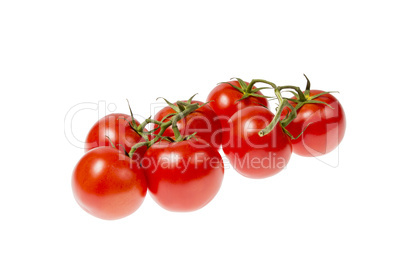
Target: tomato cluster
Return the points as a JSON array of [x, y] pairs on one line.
[[178, 160]]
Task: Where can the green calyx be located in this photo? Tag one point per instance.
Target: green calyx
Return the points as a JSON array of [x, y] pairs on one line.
[[182, 109], [247, 89]]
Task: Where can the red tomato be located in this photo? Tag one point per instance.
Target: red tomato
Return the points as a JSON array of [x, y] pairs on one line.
[[324, 126], [117, 128], [183, 176], [204, 121], [251, 155], [224, 101], [107, 184]]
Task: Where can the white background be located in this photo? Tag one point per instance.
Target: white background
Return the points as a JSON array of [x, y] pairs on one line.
[[343, 210]]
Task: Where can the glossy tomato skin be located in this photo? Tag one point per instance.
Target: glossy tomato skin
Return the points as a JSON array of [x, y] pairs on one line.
[[251, 155], [116, 126], [325, 126], [107, 184], [224, 101], [204, 121], [183, 176]]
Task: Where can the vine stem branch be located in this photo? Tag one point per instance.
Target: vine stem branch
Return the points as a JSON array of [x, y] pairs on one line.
[[163, 126]]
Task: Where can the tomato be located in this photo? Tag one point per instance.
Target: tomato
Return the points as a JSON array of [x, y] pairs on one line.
[[224, 101], [251, 155], [324, 126], [108, 184], [117, 128], [204, 121], [183, 176]]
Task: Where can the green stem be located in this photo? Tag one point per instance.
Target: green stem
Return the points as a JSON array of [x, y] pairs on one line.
[[282, 104], [177, 135], [140, 128], [302, 97], [308, 85], [292, 115], [163, 126], [254, 81], [274, 121]]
